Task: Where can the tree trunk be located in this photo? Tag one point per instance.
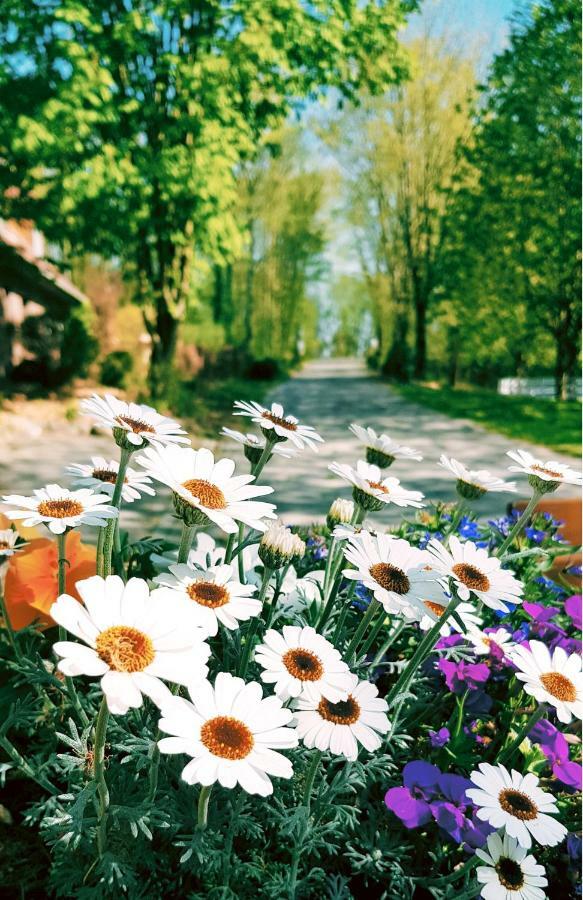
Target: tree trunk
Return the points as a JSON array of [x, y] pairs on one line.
[[420, 337], [161, 375]]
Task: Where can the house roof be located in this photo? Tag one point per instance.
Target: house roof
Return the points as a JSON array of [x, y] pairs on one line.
[[33, 278]]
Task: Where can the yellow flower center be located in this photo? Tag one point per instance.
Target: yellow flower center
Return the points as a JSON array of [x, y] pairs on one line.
[[137, 425], [279, 420], [377, 486], [345, 712], [60, 509], [559, 686], [517, 804], [436, 608], [209, 494], [106, 475], [390, 578], [303, 664], [471, 577], [207, 593], [548, 472], [125, 649], [227, 737]]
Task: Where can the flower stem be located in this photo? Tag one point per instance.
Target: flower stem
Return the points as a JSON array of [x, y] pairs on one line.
[[7, 624], [186, 539], [373, 634], [20, 762], [63, 562], [99, 775], [519, 525], [360, 631], [508, 752], [388, 643], [108, 539], [203, 806], [228, 848], [250, 637], [306, 801], [423, 650], [154, 770]]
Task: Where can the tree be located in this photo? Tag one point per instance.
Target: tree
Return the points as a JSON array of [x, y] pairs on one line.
[[513, 223], [124, 124], [398, 155]]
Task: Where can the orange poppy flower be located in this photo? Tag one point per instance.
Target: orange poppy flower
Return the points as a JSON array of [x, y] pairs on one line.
[[31, 584]]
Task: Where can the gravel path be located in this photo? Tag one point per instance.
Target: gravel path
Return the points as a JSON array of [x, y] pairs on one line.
[[327, 394]]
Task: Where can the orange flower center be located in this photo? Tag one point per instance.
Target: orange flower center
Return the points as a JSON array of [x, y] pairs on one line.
[[471, 577], [4, 545], [207, 593], [559, 686], [390, 578], [377, 486], [60, 509], [279, 420], [227, 737], [106, 475], [137, 425], [303, 664], [436, 608], [345, 712], [548, 472], [517, 804], [209, 494], [125, 649]]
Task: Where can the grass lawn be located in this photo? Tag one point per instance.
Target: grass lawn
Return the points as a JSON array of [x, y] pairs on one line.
[[554, 424]]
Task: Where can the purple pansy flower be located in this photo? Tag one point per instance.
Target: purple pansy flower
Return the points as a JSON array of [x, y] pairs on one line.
[[463, 676], [439, 738], [573, 610], [555, 747]]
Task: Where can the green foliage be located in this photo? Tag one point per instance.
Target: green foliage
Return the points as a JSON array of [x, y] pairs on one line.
[[126, 126], [554, 424], [115, 368], [510, 265], [61, 350]]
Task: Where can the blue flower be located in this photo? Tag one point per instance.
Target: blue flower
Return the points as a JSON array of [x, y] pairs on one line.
[[535, 534]]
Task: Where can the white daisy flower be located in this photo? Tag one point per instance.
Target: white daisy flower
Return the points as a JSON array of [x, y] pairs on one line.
[[509, 874], [274, 423], [396, 572], [545, 476], [134, 638], [207, 490], [427, 612], [371, 490], [381, 450], [341, 726], [59, 508], [133, 423], [215, 594], [254, 445], [474, 572], [483, 640], [301, 662], [516, 803], [232, 733], [554, 679], [474, 484], [8, 538], [101, 475]]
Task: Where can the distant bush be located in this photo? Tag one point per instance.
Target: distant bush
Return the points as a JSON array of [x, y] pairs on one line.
[[265, 370], [60, 350], [115, 368]]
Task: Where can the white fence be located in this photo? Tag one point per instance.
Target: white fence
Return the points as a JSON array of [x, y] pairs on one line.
[[536, 387]]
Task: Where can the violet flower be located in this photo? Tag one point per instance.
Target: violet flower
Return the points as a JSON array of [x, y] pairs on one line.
[[439, 739], [463, 676], [556, 749], [573, 610]]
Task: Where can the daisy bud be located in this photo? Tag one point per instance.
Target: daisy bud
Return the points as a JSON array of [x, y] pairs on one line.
[[469, 491], [340, 513], [542, 486], [279, 546]]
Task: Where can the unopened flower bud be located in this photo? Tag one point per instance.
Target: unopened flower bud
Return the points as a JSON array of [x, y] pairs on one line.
[[340, 513], [279, 547]]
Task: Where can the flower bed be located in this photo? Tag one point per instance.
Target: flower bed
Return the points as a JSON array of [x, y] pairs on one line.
[[334, 711]]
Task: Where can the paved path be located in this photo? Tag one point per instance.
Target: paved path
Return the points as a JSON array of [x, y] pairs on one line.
[[328, 394], [331, 394]]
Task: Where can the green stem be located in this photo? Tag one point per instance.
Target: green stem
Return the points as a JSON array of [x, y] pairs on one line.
[[343, 613], [372, 636], [62, 579], [306, 801], [388, 643], [276, 592], [154, 771], [228, 848], [250, 637], [8, 624], [423, 650], [240, 563], [508, 752], [453, 876], [116, 502], [99, 553], [25, 767], [203, 806], [229, 548], [99, 775], [520, 524], [264, 458], [460, 701], [361, 630], [186, 539]]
